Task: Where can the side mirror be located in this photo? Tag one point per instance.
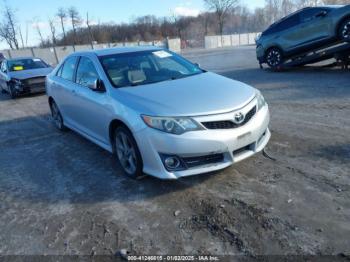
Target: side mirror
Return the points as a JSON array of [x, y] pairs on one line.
[[197, 64], [97, 86], [322, 14]]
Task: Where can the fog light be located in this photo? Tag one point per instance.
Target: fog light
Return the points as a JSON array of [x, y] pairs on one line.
[[172, 162]]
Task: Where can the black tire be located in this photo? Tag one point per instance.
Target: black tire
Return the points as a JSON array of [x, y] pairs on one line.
[[12, 91], [127, 153], [274, 58], [344, 30], [57, 117]]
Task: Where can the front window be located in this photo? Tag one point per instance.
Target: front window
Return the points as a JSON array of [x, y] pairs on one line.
[[310, 14], [3, 67], [140, 68], [26, 64]]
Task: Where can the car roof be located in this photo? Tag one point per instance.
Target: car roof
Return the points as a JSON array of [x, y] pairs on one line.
[[118, 50], [303, 9]]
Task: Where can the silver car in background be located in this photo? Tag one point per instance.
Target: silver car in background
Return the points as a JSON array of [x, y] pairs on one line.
[[23, 75], [159, 113]]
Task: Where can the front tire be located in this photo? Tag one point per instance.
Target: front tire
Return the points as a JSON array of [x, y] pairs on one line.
[[12, 91], [57, 117], [344, 30], [127, 152], [274, 58]]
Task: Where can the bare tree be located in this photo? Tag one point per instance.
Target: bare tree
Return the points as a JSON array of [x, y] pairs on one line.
[[62, 15], [90, 32], [37, 26], [8, 27], [5, 35], [21, 36], [75, 20], [53, 31], [221, 9], [27, 33]]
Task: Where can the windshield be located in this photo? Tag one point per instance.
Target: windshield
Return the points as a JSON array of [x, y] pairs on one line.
[[26, 64], [140, 68]]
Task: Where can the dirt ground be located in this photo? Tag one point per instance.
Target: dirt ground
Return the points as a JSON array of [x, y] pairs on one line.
[[62, 195]]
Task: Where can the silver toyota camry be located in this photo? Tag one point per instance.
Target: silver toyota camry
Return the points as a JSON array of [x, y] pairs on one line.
[[157, 112]]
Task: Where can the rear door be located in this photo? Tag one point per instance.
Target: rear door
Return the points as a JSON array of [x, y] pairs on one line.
[[63, 88], [90, 115], [314, 27]]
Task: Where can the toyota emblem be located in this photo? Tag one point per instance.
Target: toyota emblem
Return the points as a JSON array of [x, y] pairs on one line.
[[239, 118]]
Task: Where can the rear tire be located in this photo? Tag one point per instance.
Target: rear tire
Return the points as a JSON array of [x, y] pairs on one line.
[[57, 117], [344, 30], [274, 57], [127, 153]]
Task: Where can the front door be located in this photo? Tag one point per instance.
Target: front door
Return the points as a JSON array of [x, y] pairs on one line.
[[90, 113]]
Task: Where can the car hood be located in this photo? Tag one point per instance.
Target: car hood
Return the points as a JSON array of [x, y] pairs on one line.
[[202, 94], [25, 74]]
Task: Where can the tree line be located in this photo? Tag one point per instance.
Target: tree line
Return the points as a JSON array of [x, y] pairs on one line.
[[69, 27]]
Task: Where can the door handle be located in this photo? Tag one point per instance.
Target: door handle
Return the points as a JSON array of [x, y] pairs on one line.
[[74, 92]]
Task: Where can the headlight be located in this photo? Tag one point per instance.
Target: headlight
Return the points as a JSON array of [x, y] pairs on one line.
[[261, 100], [172, 125], [16, 81]]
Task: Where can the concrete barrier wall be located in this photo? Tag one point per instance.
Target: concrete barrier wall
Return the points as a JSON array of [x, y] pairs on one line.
[[174, 45], [22, 52], [218, 41], [82, 47], [55, 54], [62, 52], [48, 53]]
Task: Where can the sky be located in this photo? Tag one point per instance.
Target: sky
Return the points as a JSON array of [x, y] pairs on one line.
[[31, 12]]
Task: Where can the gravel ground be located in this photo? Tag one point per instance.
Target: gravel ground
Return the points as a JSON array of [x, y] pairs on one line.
[[62, 195]]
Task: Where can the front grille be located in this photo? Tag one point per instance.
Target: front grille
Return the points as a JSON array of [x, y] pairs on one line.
[[34, 82], [227, 124], [203, 160]]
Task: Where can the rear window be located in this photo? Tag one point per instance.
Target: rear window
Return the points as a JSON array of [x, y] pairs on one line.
[[283, 25], [26, 64]]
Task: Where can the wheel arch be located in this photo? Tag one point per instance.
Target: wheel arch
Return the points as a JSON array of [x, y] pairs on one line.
[[50, 100], [340, 22], [113, 125]]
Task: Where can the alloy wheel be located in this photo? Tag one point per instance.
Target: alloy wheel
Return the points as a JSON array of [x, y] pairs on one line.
[[126, 153], [345, 32], [274, 58], [56, 116]]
